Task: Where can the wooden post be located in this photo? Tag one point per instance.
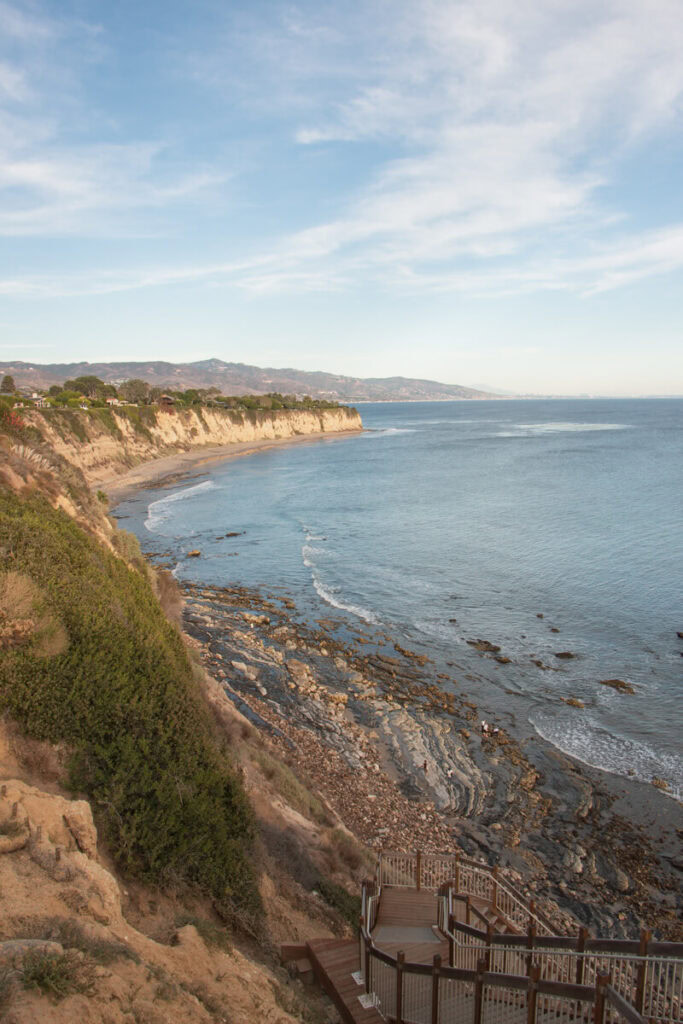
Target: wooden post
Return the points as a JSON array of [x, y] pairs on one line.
[[400, 961], [532, 911], [531, 935], [494, 890], [489, 943], [467, 910], [451, 941], [367, 963], [457, 872], [436, 970], [418, 870], [479, 992], [581, 960], [601, 983], [645, 937], [532, 994]]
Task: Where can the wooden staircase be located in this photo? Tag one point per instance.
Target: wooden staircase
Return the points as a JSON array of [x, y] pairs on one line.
[[333, 963]]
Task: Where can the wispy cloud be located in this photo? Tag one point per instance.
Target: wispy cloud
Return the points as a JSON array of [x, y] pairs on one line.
[[495, 126], [483, 135], [611, 265], [57, 177]]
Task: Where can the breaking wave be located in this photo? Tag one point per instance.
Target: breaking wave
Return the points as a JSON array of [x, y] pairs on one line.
[[329, 594], [583, 738], [159, 511]]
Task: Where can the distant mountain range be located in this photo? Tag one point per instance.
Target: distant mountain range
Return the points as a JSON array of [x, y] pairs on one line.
[[239, 378]]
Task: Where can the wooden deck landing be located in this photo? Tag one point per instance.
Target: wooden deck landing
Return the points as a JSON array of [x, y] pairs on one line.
[[407, 908]]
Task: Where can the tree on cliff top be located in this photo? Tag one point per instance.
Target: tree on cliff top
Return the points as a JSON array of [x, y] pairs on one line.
[[90, 386], [135, 390], [8, 383]]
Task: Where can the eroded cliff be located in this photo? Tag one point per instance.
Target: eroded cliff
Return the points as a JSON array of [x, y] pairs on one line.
[[102, 442]]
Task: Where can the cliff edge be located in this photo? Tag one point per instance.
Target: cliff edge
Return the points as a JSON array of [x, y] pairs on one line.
[[102, 442]]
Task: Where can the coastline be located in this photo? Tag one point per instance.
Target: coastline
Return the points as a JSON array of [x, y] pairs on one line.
[[595, 843], [169, 469], [404, 765]]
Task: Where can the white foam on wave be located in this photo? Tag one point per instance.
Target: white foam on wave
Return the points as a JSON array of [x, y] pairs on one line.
[[582, 737], [330, 595], [308, 553], [388, 432], [536, 429], [158, 512]]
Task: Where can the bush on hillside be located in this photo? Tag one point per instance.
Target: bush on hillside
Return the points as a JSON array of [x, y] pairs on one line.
[[121, 694]]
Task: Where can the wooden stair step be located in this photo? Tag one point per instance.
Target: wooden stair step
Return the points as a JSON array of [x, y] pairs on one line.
[[292, 951], [334, 961]]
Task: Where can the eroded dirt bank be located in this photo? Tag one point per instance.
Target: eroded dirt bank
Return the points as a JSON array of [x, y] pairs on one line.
[[104, 443], [405, 765]]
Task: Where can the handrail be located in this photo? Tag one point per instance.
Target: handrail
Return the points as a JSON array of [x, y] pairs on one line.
[[469, 877], [647, 981], [645, 977], [441, 994]]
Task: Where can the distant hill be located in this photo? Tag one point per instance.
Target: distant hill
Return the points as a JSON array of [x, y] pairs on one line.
[[239, 378]]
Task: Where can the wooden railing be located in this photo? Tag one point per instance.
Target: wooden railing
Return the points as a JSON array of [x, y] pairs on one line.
[[647, 974], [466, 878], [532, 978], [408, 993]]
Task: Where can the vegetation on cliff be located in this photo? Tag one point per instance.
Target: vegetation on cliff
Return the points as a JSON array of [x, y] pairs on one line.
[[89, 659]]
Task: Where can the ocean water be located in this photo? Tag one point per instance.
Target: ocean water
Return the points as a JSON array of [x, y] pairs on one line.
[[488, 513]]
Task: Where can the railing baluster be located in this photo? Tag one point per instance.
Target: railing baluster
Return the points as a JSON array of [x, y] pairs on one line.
[[479, 992], [532, 994], [436, 968], [400, 961]]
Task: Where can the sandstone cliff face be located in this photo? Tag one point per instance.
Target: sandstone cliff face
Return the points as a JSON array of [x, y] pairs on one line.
[[60, 903], [103, 445]]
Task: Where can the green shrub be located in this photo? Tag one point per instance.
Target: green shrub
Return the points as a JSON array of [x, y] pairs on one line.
[[68, 423], [350, 851], [294, 792], [56, 974], [127, 544], [107, 419], [346, 904], [138, 419], [71, 935], [213, 935], [104, 498], [122, 695], [7, 979]]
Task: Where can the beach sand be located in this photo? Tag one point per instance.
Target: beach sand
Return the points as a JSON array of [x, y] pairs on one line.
[[166, 470]]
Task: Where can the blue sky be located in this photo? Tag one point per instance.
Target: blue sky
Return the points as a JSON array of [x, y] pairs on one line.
[[481, 192]]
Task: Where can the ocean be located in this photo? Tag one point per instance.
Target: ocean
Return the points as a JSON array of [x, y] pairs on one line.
[[544, 527]]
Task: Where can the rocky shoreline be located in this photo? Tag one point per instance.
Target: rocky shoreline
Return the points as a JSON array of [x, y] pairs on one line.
[[397, 750]]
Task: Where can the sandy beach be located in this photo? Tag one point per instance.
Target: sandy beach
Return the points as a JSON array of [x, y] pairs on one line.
[[169, 468]]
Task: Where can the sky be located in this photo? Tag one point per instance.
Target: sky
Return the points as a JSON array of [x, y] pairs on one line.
[[482, 192]]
